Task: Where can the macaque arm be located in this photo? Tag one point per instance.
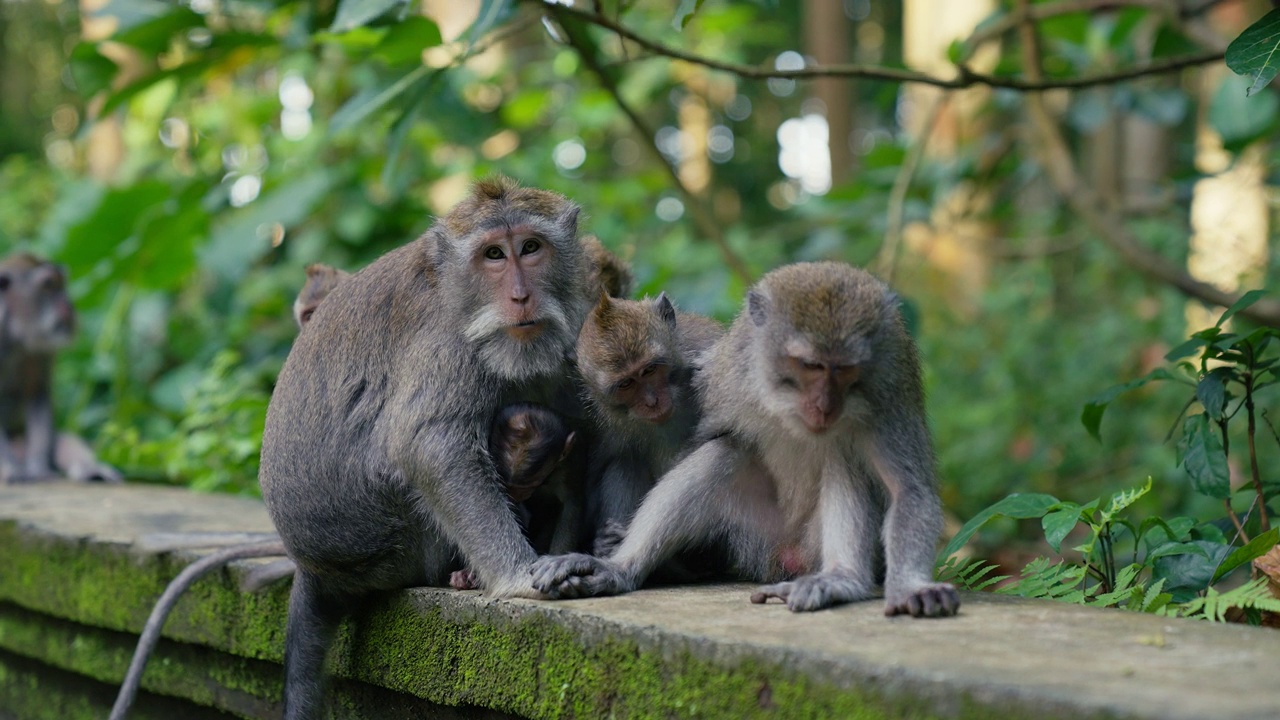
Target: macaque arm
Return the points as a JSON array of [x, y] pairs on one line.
[[466, 499], [569, 525], [40, 437], [622, 486], [692, 501], [913, 521]]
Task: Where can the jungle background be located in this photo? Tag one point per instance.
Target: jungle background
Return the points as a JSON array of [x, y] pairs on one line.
[[187, 160]]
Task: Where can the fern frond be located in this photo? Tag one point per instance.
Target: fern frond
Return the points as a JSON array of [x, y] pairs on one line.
[[1253, 595], [1042, 578], [969, 574]]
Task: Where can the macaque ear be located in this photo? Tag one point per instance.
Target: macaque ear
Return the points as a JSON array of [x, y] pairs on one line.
[[568, 445], [666, 310], [758, 306], [568, 221]]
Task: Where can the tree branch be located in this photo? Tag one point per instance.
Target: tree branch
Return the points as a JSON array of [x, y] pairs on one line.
[[1058, 163], [966, 77], [702, 216]]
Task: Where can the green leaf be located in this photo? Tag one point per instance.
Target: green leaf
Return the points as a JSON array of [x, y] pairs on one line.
[[236, 241], [1091, 416], [1256, 548], [1204, 458], [1212, 394], [1240, 119], [1059, 523], [1176, 548], [1246, 299], [91, 70], [154, 36], [1018, 506], [684, 13], [400, 129], [1190, 572], [1254, 54], [355, 13], [1186, 349], [365, 103], [404, 42], [492, 14]]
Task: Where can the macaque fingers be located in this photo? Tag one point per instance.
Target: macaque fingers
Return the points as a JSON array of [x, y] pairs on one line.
[[931, 600]]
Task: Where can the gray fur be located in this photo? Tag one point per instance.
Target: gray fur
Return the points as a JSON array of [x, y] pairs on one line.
[[852, 499]]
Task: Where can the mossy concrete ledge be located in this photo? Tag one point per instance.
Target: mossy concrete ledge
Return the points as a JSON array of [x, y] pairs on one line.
[[80, 567]]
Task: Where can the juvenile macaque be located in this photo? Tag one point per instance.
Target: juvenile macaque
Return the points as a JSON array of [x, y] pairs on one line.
[[609, 273], [814, 451], [375, 466], [36, 320], [321, 280], [529, 445], [637, 360]]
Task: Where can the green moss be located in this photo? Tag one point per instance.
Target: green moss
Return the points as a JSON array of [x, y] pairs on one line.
[[443, 647]]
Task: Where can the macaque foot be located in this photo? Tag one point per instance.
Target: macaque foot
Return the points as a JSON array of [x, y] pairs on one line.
[[814, 592], [562, 577], [609, 538], [465, 579], [927, 600]]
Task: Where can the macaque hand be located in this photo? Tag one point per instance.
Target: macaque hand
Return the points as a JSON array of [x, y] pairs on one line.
[[562, 577], [928, 600]]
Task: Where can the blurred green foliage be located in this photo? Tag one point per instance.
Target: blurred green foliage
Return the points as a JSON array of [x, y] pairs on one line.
[[252, 138]]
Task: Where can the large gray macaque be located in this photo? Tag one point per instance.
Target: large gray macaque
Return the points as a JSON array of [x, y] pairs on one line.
[[36, 321], [375, 461], [813, 453]]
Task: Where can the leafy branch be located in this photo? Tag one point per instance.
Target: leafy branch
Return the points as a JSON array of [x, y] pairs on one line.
[[965, 77]]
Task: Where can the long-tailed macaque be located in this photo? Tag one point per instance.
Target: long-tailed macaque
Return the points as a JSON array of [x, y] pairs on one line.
[[36, 320], [321, 280], [814, 441], [375, 466], [637, 359], [608, 273]]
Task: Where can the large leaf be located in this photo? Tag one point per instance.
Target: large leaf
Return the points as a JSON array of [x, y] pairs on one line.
[[1091, 416], [365, 103], [1018, 506], [492, 14], [1240, 119], [684, 13], [354, 13], [1058, 523], [237, 242], [404, 42], [1204, 458], [1188, 573], [1212, 394], [1245, 300], [1255, 548], [91, 70], [97, 236], [1254, 54]]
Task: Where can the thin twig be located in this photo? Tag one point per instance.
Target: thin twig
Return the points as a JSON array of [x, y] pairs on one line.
[[1264, 523], [701, 214], [1057, 161], [887, 259], [966, 77]]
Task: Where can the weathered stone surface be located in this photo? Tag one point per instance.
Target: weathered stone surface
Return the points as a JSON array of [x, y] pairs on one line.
[[78, 564]]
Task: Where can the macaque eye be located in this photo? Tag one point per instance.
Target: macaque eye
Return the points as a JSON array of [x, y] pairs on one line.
[[306, 314], [812, 366], [50, 282], [4, 282], [648, 369], [626, 384], [789, 382], [530, 247], [493, 252]]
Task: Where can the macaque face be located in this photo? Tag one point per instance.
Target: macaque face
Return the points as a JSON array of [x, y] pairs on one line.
[[819, 383], [646, 391], [34, 308], [513, 261]]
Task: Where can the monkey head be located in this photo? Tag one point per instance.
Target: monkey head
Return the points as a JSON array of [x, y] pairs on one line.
[[606, 273], [321, 280], [528, 442], [821, 332], [35, 311], [511, 256], [628, 354]]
